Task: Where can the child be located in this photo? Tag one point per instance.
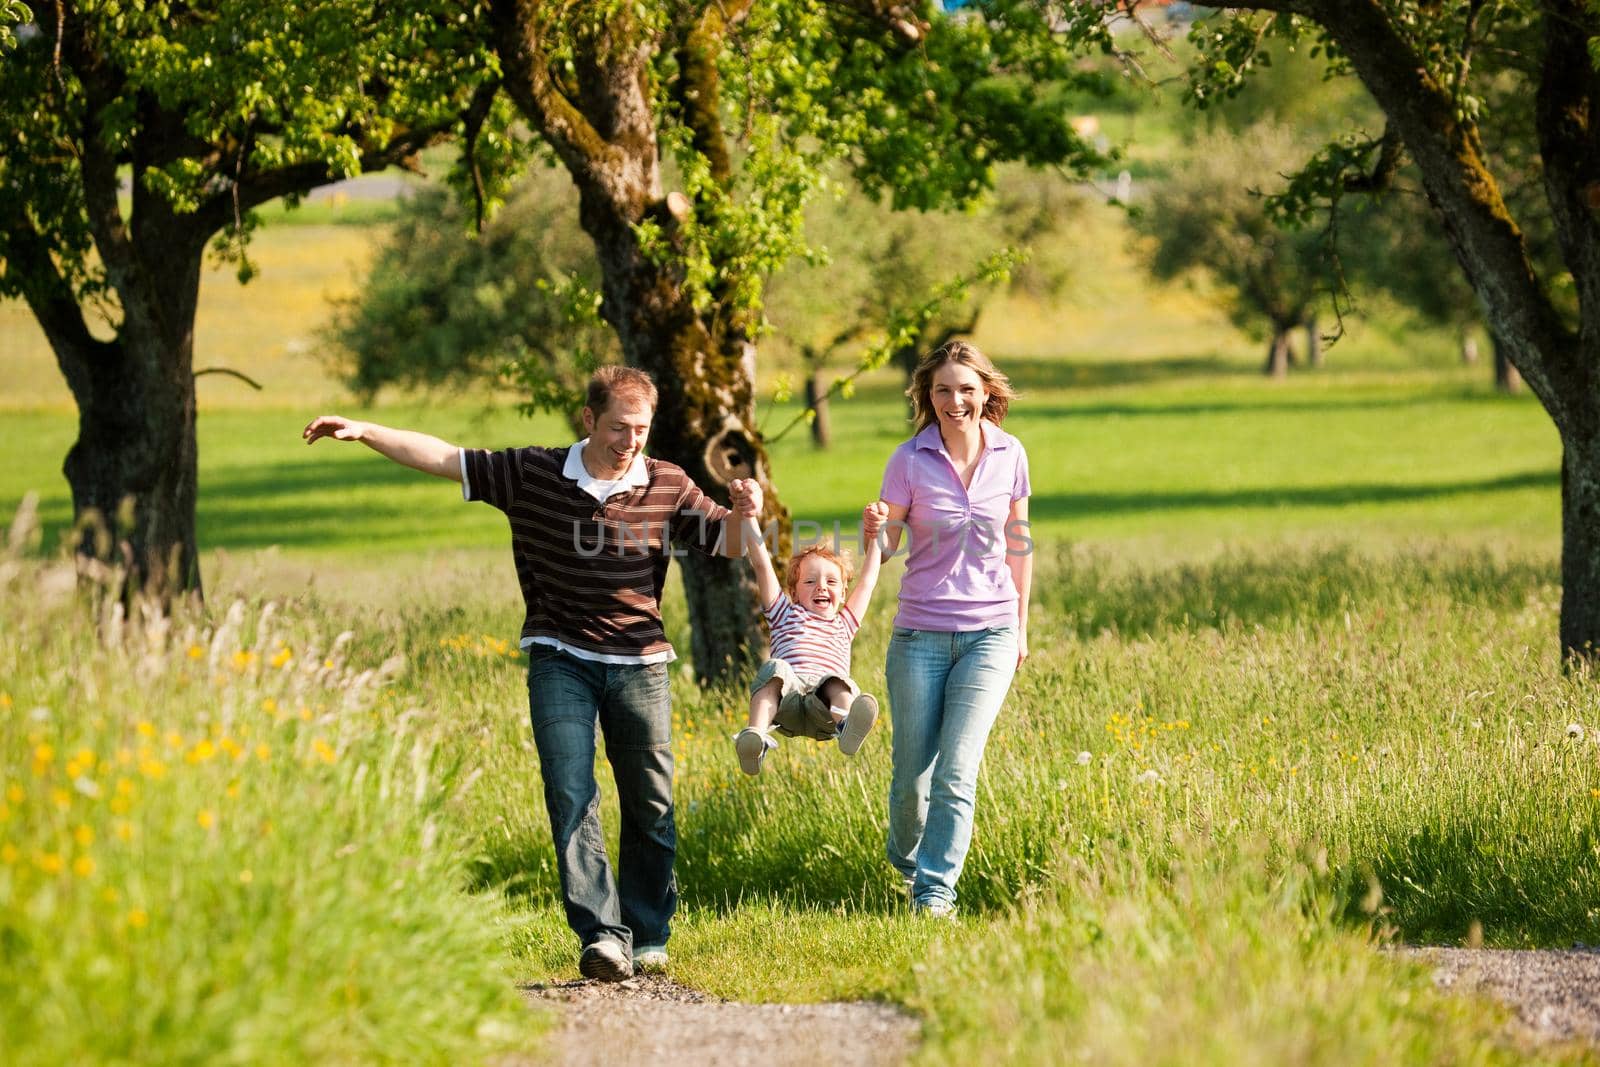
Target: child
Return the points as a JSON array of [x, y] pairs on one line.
[[805, 688]]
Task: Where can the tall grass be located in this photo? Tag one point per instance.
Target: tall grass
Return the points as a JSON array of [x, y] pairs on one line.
[[223, 841], [1214, 790]]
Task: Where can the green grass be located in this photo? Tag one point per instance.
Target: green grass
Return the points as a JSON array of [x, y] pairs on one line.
[[1267, 792]]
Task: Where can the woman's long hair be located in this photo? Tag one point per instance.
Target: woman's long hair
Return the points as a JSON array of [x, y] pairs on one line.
[[921, 391]]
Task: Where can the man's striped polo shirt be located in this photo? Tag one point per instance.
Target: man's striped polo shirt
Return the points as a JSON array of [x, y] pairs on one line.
[[592, 571]]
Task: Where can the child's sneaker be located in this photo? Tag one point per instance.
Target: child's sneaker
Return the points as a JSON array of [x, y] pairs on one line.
[[752, 745], [858, 724]]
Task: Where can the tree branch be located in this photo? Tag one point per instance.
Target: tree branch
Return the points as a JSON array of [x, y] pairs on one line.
[[697, 91], [1568, 145], [1391, 152], [51, 300], [1455, 171], [902, 20], [526, 69]]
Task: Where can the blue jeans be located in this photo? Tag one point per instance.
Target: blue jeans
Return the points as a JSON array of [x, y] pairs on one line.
[[633, 706], [945, 690]]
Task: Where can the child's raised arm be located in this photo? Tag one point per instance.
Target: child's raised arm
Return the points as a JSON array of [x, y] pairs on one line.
[[755, 547], [873, 517]]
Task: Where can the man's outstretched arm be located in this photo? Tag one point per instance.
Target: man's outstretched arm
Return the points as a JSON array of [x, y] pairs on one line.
[[418, 451]]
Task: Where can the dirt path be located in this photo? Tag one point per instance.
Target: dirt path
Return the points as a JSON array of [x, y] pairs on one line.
[[1554, 992], [657, 1022]]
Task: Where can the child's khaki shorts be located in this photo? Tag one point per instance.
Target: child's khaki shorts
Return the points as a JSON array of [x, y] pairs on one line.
[[801, 710]]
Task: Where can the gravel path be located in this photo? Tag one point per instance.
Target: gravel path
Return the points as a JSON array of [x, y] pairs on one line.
[[658, 1022], [1555, 992]]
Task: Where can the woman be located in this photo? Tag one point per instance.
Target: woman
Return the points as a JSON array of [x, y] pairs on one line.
[[959, 488]]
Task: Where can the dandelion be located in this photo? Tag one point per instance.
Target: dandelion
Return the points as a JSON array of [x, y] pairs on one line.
[[263, 752], [123, 829], [305, 713], [232, 748], [5, 701], [138, 918], [43, 754], [61, 798], [202, 751], [85, 758], [84, 835], [110, 895], [8, 853], [281, 658], [195, 652], [1595, 793], [324, 751], [233, 789], [1084, 758], [145, 728], [83, 866], [50, 862], [153, 769], [15, 793], [243, 660], [206, 819], [1575, 731]]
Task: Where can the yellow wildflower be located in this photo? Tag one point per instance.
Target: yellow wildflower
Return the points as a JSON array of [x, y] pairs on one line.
[[86, 757], [61, 798], [282, 658], [83, 866], [243, 660], [84, 835], [195, 652], [206, 819], [43, 753], [5, 700], [324, 750], [145, 728], [263, 753], [15, 793], [202, 751], [8, 853], [138, 918], [123, 829], [110, 895], [269, 706], [50, 862]]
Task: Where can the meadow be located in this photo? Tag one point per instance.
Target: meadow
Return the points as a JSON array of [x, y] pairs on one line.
[[1294, 700]]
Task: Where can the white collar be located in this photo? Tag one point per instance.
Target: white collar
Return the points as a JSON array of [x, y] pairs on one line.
[[600, 488]]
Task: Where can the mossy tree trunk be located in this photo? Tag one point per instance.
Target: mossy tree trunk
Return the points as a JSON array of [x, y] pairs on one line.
[[602, 125]]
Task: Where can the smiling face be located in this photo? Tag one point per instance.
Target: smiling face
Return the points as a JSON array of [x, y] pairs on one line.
[[616, 435], [957, 396], [818, 585]]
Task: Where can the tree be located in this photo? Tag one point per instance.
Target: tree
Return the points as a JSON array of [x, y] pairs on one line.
[[882, 265], [1211, 218], [447, 305], [1430, 68], [752, 100], [206, 111]]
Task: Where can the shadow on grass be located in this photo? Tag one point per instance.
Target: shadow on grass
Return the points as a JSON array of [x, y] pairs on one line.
[[1090, 596], [1078, 505], [1525, 885]]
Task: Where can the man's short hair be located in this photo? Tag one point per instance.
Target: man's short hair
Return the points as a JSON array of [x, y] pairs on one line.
[[621, 382]]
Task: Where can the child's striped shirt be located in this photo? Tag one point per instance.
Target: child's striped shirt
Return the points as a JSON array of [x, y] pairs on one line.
[[808, 642]]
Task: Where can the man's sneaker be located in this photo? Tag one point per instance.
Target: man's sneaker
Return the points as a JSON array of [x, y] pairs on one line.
[[605, 961], [651, 959], [936, 908], [752, 745], [858, 724]]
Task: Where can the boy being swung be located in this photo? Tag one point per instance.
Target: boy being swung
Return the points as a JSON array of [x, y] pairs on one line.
[[805, 689]]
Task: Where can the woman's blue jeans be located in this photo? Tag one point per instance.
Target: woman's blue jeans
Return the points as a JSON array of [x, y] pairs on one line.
[[945, 690], [633, 706]]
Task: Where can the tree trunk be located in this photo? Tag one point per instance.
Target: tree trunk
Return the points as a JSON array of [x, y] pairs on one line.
[[1580, 547], [1314, 353], [817, 400], [1506, 378], [133, 468], [1277, 365]]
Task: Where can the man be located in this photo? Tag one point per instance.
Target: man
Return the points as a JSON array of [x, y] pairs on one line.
[[592, 529]]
